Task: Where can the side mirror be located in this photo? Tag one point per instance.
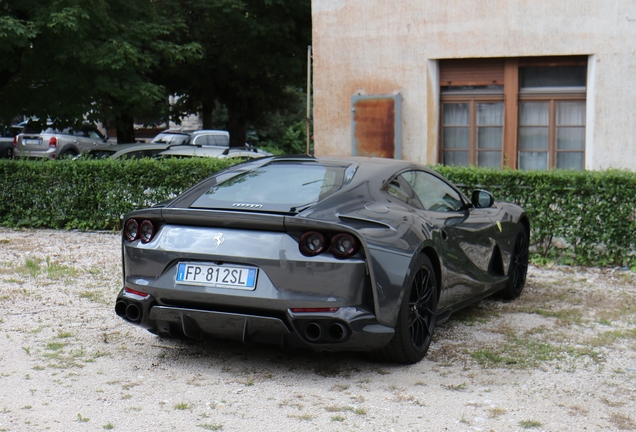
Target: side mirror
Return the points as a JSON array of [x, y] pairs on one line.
[[482, 199]]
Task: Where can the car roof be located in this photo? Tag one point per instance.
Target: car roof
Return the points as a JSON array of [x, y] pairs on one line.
[[121, 149], [210, 132], [208, 151]]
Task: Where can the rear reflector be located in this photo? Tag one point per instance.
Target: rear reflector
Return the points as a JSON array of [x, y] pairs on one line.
[[301, 310], [139, 293]]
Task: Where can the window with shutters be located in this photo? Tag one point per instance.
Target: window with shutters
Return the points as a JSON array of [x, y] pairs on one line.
[[526, 113]]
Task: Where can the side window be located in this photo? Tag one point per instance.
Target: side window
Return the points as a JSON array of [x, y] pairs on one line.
[[94, 135], [201, 140], [221, 140], [398, 188], [434, 193]]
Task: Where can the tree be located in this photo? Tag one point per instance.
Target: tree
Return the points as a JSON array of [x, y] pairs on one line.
[[73, 59], [253, 51]]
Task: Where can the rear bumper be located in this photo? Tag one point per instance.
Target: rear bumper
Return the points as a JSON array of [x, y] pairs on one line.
[[347, 329], [50, 153]]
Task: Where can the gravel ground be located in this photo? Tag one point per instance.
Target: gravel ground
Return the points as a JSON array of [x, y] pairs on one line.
[[560, 358]]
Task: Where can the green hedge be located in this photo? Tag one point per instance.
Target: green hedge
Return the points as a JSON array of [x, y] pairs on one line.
[[92, 194], [592, 214]]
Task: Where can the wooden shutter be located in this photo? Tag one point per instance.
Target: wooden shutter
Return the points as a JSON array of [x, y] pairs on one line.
[[471, 72]]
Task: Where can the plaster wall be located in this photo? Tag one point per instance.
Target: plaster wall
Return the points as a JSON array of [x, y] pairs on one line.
[[381, 47]]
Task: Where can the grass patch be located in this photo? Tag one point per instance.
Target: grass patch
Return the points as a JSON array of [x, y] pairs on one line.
[[337, 418], [31, 267], [94, 296], [305, 417], [496, 412], [622, 421], [484, 357], [58, 271], [340, 387], [182, 406], [212, 427], [566, 316], [529, 424], [55, 346]]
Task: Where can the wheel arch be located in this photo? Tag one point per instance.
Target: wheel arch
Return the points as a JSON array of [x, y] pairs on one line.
[[69, 149], [437, 267]]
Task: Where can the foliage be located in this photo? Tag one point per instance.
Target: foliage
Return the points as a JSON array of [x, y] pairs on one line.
[[92, 194], [253, 50], [591, 213], [285, 129], [68, 59]]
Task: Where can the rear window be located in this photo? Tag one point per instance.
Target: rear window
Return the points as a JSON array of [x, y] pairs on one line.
[[279, 187], [171, 138]]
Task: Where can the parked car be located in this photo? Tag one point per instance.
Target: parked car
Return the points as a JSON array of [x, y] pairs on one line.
[[52, 143], [7, 140], [132, 151], [196, 137], [184, 151], [333, 254]]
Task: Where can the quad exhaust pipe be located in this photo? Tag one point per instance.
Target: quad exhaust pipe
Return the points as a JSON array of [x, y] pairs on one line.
[[316, 332], [130, 311]]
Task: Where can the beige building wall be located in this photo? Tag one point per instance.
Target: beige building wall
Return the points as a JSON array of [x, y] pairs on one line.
[[387, 47]]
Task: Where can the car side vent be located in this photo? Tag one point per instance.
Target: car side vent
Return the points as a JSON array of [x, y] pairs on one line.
[[359, 223], [495, 267]]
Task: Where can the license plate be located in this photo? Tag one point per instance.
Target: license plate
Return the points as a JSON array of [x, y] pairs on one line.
[[31, 141], [217, 276]]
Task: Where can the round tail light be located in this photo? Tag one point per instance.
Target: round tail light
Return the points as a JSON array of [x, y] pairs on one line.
[[131, 229], [312, 243], [344, 245], [147, 231]]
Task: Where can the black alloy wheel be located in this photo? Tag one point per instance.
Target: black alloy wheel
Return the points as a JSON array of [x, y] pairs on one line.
[[422, 305], [518, 265], [417, 316]]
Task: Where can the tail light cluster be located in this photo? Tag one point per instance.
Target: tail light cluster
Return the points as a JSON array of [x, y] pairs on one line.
[[139, 229], [53, 142], [341, 245]]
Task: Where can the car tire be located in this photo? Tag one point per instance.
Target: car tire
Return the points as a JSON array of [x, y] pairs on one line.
[[416, 318], [67, 154], [518, 269]]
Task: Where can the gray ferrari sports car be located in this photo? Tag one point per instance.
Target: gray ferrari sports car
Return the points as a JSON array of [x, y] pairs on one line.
[[329, 253]]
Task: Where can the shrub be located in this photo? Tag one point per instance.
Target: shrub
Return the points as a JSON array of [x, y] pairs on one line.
[[592, 213], [92, 194]]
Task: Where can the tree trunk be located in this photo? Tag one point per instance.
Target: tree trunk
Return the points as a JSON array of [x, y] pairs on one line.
[[207, 110], [125, 124], [237, 123]]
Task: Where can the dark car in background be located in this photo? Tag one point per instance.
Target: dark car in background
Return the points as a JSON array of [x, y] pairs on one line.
[[53, 143], [121, 151], [330, 253], [7, 140]]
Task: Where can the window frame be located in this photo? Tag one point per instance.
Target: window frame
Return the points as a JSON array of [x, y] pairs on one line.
[[484, 72], [559, 95], [472, 98]]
